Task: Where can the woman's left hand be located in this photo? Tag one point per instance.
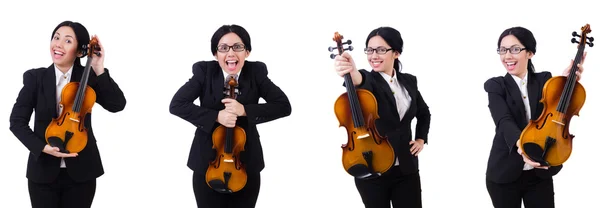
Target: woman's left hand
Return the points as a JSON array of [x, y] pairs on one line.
[[567, 71], [97, 61], [417, 146]]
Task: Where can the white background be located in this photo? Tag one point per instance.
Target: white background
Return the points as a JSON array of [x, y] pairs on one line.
[[150, 48]]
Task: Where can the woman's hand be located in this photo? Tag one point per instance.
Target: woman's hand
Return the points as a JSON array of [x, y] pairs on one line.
[[567, 71], [97, 61], [54, 151], [417, 146]]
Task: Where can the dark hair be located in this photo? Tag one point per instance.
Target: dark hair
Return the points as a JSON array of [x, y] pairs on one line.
[[226, 29], [525, 37], [393, 38], [81, 34]]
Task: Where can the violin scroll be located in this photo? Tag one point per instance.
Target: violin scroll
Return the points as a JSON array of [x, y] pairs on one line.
[[584, 39], [340, 46], [93, 48]]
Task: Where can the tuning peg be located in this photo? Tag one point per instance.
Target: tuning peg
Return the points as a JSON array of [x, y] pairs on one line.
[[591, 39], [350, 48], [574, 41], [590, 44], [332, 48], [574, 34], [347, 42], [332, 56]]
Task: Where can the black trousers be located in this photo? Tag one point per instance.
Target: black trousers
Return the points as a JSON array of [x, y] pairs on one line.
[[534, 191], [402, 190], [62, 193], [209, 198]]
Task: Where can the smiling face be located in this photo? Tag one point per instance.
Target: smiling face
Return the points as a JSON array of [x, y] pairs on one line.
[[513, 56], [382, 58], [231, 53], [63, 47]]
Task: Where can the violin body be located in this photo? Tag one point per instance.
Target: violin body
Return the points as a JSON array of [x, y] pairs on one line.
[[69, 125], [366, 149], [226, 173], [551, 129], [547, 139], [67, 131], [366, 154]]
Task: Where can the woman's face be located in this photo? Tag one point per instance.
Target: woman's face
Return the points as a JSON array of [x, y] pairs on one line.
[[513, 56], [231, 53], [63, 47], [382, 57]]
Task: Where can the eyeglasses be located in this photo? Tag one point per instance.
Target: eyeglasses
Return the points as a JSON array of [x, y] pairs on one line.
[[224, 48], [513, 50], [380, 50]]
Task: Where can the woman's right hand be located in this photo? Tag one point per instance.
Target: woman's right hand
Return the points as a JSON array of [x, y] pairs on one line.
[[226, 119], [527, 160], [54, 151], [344, 64]]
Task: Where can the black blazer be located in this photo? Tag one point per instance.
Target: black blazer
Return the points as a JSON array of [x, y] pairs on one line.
[[207, 84], [508, 111], [39, 94], [398, 131]]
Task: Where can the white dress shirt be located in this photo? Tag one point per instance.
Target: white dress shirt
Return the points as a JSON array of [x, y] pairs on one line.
[[401, 95], [61, 80], [522, 83]]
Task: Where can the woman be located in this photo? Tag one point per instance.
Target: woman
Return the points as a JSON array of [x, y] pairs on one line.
[[513, 101], [58, 179], [399, 102], [230, 45]]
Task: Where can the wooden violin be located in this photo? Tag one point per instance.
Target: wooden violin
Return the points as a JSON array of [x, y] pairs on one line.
[[67, 131], [227, 174], [366, 154], [547, 139]]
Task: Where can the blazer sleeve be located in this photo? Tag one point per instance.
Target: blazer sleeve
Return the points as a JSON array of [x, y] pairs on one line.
[[503, 119], [277, 103], [21, 115], [108, 94], [182, 103], [423, 115]]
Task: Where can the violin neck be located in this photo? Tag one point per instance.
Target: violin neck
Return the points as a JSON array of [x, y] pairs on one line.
[[229, 141], [80, 96], [565, 98], [357, 115]]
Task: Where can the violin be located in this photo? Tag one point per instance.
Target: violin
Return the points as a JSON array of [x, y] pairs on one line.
[[67, 131], [366, 154], [226, 173], [547, 140]]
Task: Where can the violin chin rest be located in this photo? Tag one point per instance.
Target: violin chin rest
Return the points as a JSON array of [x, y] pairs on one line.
[[535, 153], [219, 186], [57, 142]]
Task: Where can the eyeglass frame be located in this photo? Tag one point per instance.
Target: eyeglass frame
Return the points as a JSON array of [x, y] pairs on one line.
[[243, 47], [377, 50], [511, 50]]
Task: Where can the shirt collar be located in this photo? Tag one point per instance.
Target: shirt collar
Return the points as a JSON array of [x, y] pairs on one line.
[[519, 80], [59, 73], [387, 77], [226, 75]]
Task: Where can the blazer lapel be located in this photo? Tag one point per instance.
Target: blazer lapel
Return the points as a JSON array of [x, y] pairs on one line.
[[218, 82], [515, 94], [533, 91], [244, 84], [412, 92], [49, 88], [385, 87]]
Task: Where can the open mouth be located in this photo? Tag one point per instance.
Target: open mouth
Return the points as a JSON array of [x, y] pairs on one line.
[[231, 64], [511, 65], [58, 54], [376, 63]]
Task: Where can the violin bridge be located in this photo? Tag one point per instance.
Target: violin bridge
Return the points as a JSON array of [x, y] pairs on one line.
[[558, 122], [73, 119], [362, 136], [228, 160]]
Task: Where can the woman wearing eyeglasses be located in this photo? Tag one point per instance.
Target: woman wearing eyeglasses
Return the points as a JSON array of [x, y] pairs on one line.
[[230, 45], [513, 101], [399, 102]]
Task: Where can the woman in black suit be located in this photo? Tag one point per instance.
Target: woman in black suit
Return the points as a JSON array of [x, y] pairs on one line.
[[513, 101], [399, 102], [57, 179], [230, 46]]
